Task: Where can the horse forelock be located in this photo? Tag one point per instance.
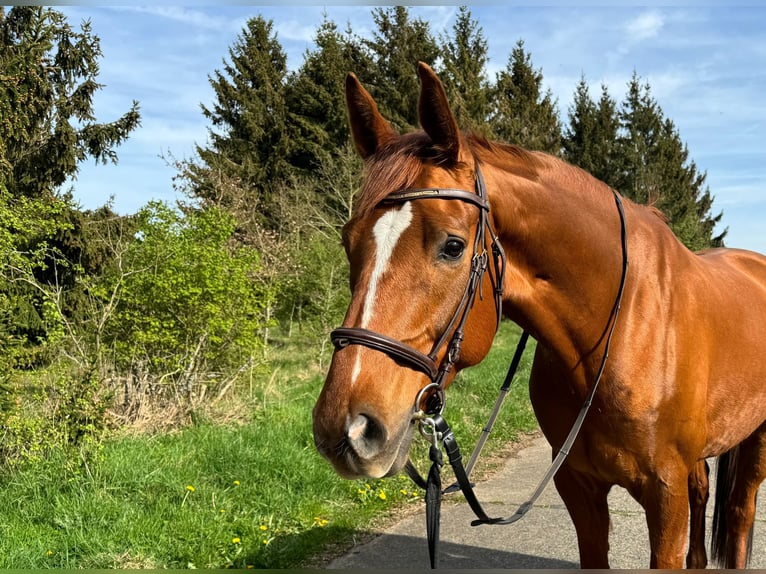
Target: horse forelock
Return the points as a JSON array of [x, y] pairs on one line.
[[397, 165]]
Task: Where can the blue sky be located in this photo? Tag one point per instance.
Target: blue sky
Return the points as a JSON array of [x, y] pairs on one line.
[[706, 65]]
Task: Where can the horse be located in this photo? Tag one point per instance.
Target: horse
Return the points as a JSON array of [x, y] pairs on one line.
[[685, 378]]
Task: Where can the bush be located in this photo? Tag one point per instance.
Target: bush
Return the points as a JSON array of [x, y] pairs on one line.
[[189, 312]]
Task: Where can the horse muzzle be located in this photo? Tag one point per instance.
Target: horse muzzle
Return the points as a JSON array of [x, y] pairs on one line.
[[362, 445]]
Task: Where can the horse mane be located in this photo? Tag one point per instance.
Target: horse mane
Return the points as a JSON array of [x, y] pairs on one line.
[[397, 164]]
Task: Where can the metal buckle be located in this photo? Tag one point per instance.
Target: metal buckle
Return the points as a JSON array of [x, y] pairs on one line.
[[433, 436]]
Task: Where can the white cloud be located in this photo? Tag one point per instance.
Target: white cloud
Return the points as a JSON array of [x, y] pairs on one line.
[[644, 26], [182, 15]]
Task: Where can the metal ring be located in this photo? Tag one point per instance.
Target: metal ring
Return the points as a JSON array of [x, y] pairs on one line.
[[419, 414]]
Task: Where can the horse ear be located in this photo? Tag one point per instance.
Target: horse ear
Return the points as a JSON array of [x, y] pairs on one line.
[[436, 118], [368, 127]]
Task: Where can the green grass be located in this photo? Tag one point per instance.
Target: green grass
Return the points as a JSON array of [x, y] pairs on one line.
[[254, 494]]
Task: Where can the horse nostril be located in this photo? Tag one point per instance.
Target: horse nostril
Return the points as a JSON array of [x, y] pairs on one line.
[[366, 436]]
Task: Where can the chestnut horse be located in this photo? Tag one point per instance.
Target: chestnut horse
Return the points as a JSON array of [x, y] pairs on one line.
[[686, 373]]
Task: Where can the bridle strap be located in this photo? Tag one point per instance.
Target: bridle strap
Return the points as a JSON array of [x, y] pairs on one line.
[[453, 334], [479, 200], [342, 337]]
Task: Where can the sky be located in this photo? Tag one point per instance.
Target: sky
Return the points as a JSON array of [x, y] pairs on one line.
[[705, 63]]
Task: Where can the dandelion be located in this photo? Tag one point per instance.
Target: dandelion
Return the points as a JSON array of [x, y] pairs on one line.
[[190, 488], [264, 541], [404, 492], [360, 491], [382, 495], [263, 527], [236, 483], [367, 486], [222, 510], [50, 553], [321, 522], [236, 540]]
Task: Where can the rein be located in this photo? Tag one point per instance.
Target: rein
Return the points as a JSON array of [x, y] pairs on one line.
[[432, 424]]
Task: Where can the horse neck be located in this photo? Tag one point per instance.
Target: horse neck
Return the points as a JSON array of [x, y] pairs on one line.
[[562, 236]]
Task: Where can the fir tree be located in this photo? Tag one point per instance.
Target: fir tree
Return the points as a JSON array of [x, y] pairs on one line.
[[522, 114], [464, 58], [653, 167], [48, 74], [590, 138], [398, 44], [249, 144]]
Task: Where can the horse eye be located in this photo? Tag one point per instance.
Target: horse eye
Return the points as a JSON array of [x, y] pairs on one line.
[[454, 248]]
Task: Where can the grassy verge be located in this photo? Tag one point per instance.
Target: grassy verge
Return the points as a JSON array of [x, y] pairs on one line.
[[249, 495]]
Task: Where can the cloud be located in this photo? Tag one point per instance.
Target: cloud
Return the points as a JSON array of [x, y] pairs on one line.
[[182, 15], [644, 26]]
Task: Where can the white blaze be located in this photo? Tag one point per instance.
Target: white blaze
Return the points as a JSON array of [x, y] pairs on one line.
[[386, 232]]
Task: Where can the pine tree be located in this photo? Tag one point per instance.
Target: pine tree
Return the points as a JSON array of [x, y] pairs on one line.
[[464, 59], [522, 114], [398, 44], [314, 97], [48, 74], [249, 140], [590, 138], [653, 167]]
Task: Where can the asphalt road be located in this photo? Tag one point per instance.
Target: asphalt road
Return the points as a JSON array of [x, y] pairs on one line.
[[544, 538]]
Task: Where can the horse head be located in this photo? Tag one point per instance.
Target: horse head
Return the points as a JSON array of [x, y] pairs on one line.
[[422, 276]]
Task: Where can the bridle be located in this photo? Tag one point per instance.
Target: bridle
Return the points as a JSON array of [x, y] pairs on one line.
[[429, 415], [453, 335]]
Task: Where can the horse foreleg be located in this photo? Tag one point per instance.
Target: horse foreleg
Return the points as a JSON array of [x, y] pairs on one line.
[[698, 497], [666, 502], [585, 500]]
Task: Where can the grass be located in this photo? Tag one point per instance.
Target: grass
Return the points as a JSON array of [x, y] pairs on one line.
[[240, 495]]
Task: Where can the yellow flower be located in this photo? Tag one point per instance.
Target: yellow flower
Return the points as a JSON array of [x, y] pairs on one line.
[[404, 492], [236, 483], [190, 488], [50, 553], [222, 510], [367, 486], [382, 495], [265, 541], [235, 540], [263, 527]]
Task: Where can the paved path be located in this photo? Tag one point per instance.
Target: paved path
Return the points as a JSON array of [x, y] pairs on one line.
[[545, 538]]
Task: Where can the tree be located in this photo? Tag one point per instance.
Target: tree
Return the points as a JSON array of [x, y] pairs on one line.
[[314, 97], [398, 44], [590, 139], [464, 59], [187, 301], [249, 142], [653, 167], [48, 72], [522, 114]]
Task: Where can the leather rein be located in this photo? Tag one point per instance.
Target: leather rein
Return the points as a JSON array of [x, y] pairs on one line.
[[428, 408]]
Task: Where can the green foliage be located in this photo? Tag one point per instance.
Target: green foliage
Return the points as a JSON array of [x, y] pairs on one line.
[[522, 114], [464, 59], [398, 43], [590, 139], [181, 500], [249, 141], [639, 152], [48, 72], [60, 410], [187, 303]]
